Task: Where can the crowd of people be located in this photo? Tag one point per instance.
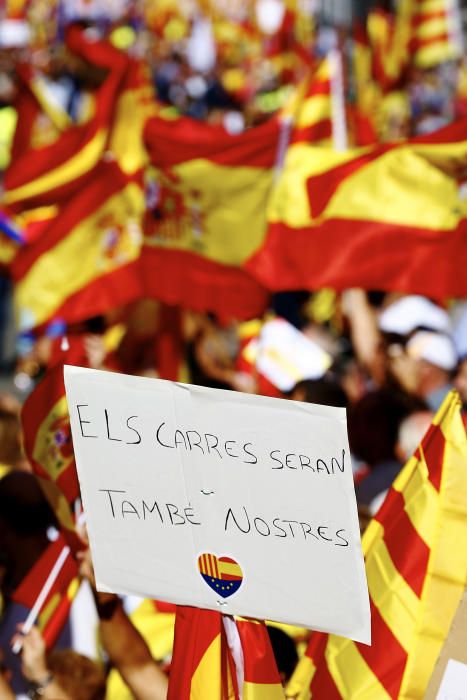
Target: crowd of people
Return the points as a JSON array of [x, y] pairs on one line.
[[393, 360], [389, 358]]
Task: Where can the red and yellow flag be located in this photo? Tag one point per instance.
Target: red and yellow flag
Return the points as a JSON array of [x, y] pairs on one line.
[[361, 218], [311, 105], [203, 664], [436, 32], [389, 37], [87, 259], [207, 214], [56, 606], [43, 175], [49, 448], [415, 582]]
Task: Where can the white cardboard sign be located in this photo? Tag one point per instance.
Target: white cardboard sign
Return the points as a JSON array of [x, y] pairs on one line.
[[219, 500], [454, 683]]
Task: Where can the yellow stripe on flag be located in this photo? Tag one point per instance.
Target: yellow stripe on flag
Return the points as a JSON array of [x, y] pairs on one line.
[[206, 681], [391, 594], [73, 168], [432, 28], [233, 569], [214, 203], [352, 675], [420, 499], [314, 109], [262, 691], [298, 687], [447, 574], [82, 255]]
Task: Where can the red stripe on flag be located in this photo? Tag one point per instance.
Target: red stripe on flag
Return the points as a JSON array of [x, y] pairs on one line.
[[190, 280], [259, 662], [385, 656], [418, 44], [107, 181], [407, 550], [175, 141], [368, 254], [323, 686], [311, 134], [433, 445], [116, 288], [422, 17]]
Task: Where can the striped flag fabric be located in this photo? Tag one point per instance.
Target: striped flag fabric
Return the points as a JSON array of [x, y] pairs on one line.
[[415, 583], [50, 173], [311, 102], [360, 218], [207, 203], [87, 259], [49, 448], [56, 606], [221, 659], [436, 32], [389, 38]]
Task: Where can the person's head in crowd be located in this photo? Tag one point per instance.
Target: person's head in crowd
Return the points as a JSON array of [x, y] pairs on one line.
[[425, 366], [411, 313], [25, 517], [373, 425], [325, 391], [285, 652], [410, 433], [350, 376], [460, 380]]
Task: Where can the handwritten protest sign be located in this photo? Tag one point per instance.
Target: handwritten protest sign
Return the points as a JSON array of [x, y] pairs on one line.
[[220, 500]]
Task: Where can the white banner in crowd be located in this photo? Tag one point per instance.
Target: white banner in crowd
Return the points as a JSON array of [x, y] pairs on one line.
[[220, 500]]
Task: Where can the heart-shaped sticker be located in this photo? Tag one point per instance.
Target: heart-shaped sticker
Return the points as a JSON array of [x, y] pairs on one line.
[[223, 574]]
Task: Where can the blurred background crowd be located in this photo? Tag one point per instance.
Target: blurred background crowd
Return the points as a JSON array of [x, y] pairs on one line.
[[389, 354]]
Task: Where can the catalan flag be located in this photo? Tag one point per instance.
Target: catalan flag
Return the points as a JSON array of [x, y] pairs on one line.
[[46, 174], [207, 214], [49, 448], [360, 218], [415, 583], [312, 121], [389, 37], [436, 32], [86, 261], [203, 665]]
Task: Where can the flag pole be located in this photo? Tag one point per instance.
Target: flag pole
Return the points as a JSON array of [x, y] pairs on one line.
[[338, 118], [41, 598]]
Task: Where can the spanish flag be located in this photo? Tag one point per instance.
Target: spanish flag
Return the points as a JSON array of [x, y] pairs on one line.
[[56, 607], [387, 217], [203, 665], [46, 174], [207, 202], [86, 261], [436, 32], [415, 582], [49, 448]]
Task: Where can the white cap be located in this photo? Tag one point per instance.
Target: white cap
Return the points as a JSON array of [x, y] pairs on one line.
[[201, 47], [412, 312], [435, 348], [14, 33]]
